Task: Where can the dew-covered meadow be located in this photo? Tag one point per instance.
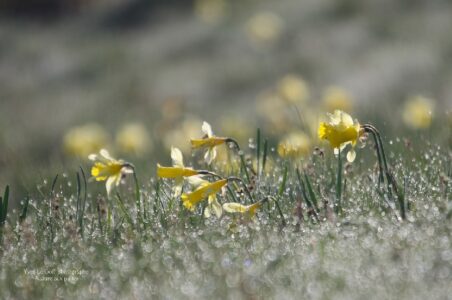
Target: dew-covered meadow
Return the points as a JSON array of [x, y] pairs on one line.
[[212, 149]]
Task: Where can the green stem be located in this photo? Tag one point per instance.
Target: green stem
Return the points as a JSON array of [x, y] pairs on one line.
[[338, 183], [241, 155]]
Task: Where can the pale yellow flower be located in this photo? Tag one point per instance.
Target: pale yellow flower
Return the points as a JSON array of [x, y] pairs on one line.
[[237, 127], [418, 112], [337, 98], [272, 108], [293, 89], [210, 11], [264, 27], [225, 161], [82, 140], [190, 200], [178, 171], [133, 138], [108, 169], [295, 145], [177, 137], [209, 141], [340, 131], [249, 210]]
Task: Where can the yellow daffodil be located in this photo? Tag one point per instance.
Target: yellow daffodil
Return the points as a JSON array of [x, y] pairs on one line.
[[178, 171], [82, 140], [190, 200], [337, 98], [340, 131], [249, 210], [133, 138], [264, 27], [108, 169], [418, 112], [213, 206], [293, 89], [209, 141], [294, 145]]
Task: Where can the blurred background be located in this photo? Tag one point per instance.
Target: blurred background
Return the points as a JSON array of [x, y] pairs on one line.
[[137, 76]]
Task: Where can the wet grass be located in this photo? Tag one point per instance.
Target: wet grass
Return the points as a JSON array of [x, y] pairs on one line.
[[59, 244]]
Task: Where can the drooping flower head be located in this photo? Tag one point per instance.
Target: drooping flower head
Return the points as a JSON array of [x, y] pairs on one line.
[[205, 190], [178, 171], [209, 141], [108, 169], [249, 210], [213, 206], [340, 131]]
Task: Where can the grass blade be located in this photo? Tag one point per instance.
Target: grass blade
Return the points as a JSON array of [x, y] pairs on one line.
[[283, 183], [258, 151], [124, 211], [264, 156], [337, 207], [23, 215], [311, 192], [4, 206]]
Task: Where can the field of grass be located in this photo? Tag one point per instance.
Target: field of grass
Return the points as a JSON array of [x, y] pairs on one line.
[[277, 213]]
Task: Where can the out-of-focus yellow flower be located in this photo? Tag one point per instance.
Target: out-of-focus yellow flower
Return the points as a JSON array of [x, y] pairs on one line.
[[294, 145], [210, 11], [264, 27], [190, 200], [82, 140], [178, 136], [418, 112], [225, 161], [249, 210], [269, 166], [213, 206], [133, 138], [209, 141], [272, 108], [178, 171], [340, 131], [236, 127], [293, 89], [337, 98], [108, 169]]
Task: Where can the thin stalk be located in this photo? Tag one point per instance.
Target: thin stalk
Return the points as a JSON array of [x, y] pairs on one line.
[[241, 155], [337, 207]]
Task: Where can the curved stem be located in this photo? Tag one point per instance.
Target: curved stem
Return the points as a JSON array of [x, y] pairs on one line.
[[242, 158], [380, 163]]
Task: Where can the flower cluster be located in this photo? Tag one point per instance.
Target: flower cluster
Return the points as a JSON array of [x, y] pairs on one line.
[[194, 186]]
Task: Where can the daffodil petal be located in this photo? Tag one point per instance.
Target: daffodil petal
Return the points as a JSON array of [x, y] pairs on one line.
[[177, 158]]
